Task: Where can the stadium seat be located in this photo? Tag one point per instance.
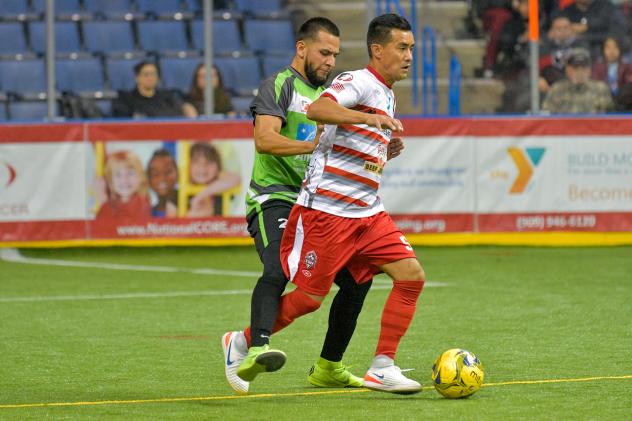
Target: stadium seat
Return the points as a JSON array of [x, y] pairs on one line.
[[112, 9], [261, 8], [240, 75], [12, 40], [28, 110], [176, 73], [80, 76], [120, 73], [3, 111], [26, 77], [274, 63], [105, 105], [166, 9], [64, 9], [226, 37], [269, 36], [15, 10], [66, 37], [108, 36], [241, 104], [162, 36]]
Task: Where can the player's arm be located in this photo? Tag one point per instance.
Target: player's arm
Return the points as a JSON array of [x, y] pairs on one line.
[[268, 139], [327, 111]]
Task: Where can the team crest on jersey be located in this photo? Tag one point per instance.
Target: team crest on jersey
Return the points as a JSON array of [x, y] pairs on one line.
[[345, 77], [382, 154], [310, 259]]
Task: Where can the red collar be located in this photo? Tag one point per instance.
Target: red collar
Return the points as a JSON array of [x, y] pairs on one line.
[[378, 76]]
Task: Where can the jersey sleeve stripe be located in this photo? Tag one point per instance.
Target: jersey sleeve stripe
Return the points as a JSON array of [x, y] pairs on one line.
[[364, 132], [371, 110], [352, 176], [330, 96], [341, 197], [353, 152]]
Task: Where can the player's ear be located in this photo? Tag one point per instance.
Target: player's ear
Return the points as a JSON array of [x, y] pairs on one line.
[[301, 49], [376, 51]]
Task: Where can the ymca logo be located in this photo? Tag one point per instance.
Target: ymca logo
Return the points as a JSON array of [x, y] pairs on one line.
[[7, 174], [526, 161]]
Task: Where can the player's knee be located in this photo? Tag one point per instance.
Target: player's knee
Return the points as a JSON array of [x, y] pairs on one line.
[[350, 290], [273, 280], [414, 272]]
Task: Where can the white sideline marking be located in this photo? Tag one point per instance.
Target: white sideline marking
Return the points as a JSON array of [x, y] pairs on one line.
[[165, 294], [14, 256]]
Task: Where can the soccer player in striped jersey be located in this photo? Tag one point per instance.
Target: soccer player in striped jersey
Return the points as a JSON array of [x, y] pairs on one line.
[[284, 140], [338, 220]]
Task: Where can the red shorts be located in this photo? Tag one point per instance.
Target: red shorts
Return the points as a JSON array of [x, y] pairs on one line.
[[317, 245]]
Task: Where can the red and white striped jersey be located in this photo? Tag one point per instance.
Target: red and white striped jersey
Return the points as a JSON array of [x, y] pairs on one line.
[[345, 169]]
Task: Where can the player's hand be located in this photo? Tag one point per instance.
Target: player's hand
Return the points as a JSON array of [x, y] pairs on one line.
[[384, 122], [395, 147]]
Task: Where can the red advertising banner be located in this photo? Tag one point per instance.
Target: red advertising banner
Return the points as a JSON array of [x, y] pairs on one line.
[[171, 180]]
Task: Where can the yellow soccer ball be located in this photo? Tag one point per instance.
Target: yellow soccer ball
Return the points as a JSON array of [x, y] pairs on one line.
[[457, 373]]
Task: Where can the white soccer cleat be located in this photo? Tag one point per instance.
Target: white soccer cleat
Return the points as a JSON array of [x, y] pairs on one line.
[[235, 350], [385, 376]]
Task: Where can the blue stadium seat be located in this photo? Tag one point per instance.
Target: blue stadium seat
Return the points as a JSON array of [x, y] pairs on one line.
[[28, 110], [241, 104], [12, 40], [161, 36], [269, 36], [274, 63], [262, 8], [81, 76], [26, 77], [66, 37], [240, 75], [108, 36], [176, 73], [14, 9], [120, 73], [226, 37], [110, 8], [3, 111], [105, 105], [64, 9], [168, 9]]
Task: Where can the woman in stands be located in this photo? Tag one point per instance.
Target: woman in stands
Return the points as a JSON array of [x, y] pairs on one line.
[[194, 101]]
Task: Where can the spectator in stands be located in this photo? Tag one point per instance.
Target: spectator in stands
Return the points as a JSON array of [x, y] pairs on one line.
[[147, 100], [126, 189], [162, 173], [579, 93], [611, 68], [513, 62], [205, 168], [559, 41], [194, 100], [595, 20], [623, 101], [494, 14]]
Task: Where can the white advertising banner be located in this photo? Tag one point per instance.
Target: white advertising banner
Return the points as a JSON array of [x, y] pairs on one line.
[[554, 174], [42, 181], [432, 175]]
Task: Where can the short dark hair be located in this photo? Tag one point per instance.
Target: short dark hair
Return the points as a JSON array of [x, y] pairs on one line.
[[139, 66], [310, 28], [380, 29]]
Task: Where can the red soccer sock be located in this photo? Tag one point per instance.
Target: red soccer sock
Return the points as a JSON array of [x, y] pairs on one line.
[[397, 315], [291, 306]]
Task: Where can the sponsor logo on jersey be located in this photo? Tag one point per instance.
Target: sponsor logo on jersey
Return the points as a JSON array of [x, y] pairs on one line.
[[345, 77], [373, 167]]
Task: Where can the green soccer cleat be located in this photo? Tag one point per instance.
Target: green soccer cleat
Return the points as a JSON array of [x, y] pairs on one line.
[[327, 373], [260, 359]]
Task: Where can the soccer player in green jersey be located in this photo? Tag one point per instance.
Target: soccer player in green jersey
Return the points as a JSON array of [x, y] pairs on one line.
[[284, 141]]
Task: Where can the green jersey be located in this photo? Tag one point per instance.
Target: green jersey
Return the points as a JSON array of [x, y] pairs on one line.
[[286, 95]]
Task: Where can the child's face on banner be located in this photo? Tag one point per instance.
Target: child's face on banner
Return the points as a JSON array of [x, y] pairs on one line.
[[203, 171], [163, 175], [125, 181]]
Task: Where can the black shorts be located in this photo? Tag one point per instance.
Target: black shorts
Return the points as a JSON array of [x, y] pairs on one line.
[[266, 228]]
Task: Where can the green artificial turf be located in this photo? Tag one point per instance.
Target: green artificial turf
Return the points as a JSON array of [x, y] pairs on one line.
[[80, 335]]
